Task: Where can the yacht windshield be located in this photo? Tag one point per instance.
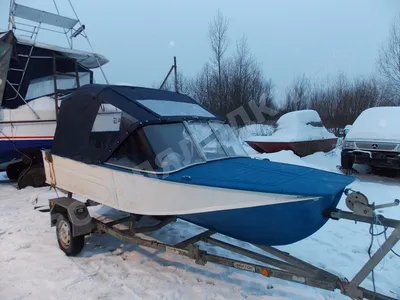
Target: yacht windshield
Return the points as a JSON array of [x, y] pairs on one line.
[[45, 85], [168, 147]]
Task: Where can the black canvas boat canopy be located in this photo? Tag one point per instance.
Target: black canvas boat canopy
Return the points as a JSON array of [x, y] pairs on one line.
[[75, 138], [6, 49]]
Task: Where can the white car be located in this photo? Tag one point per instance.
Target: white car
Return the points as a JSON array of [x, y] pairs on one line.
[[373, 139], [347, 129]]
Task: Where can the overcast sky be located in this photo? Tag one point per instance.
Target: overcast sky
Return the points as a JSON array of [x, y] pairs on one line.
[[289, 38]]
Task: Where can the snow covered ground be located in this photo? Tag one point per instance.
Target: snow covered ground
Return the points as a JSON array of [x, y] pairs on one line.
[[33, 267]]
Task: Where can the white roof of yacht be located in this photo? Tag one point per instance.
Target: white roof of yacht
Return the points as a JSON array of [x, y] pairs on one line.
[[86, 59]]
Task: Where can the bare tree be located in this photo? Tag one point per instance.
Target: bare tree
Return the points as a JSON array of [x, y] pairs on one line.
[[342, 101], [218, 35], [267, 97], [298, 95], [386, 95], [389, 62], [203, 87], [229, 83], [241, 84], [247, 81]]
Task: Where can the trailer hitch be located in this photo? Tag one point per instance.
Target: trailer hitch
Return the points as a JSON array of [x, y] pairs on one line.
[[362, 211], [358, 203]]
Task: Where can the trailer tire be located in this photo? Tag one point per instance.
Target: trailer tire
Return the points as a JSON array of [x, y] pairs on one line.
[[70, 245], [14, 170]]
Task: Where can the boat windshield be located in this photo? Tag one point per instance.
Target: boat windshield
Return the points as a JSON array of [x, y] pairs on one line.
[[215, 139], [169, 147]]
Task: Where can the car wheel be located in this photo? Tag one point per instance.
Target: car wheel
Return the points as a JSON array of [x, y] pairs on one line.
[[347, 162]]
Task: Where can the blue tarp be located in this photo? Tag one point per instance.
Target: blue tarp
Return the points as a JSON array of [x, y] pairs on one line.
[[264, 176]]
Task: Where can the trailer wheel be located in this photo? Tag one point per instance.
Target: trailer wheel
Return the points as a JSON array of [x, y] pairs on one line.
[[347, 162], [70, 245]]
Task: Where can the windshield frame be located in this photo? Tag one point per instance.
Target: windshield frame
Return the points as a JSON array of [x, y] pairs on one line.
[[199, 149], [217, 138]]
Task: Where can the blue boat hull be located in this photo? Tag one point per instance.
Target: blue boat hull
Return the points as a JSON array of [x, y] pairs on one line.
[[268, 225], [280, 222], [11, 149]]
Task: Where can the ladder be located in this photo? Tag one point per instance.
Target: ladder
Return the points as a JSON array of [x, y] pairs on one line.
[[39, 17], [21, 72], [57, 73]]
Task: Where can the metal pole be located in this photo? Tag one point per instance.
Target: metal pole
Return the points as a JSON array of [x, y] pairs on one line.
[[78, 84], [55, 85], [175, 75], [27, 121], [18, 94], [376, 258], [29, 58], [337, 214], [65, 32], [166, 78], [9, 15], [90, 45]]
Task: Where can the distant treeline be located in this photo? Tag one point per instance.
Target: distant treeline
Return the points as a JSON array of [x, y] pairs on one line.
[[227, 83]]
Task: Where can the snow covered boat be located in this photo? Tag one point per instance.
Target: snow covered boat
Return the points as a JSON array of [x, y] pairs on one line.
[[168, 156], [34, 77], [300, 131]]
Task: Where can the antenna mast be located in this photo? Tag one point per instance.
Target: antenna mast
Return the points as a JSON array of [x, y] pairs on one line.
[[81, 30]]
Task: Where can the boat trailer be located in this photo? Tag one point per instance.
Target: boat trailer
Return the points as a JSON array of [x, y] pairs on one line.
[[73, 222]]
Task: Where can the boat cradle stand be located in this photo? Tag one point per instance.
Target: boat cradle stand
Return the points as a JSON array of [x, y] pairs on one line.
[[73, 222]]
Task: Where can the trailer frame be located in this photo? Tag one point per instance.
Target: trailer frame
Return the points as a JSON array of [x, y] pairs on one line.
[[284, 266]]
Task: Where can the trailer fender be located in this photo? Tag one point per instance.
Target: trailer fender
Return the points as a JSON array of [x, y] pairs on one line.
[[75, 211]]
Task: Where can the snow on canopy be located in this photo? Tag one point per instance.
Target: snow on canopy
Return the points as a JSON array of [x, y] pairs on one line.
[[377, 123], [296, 126]]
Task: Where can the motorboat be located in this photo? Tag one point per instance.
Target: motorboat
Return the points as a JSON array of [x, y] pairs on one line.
[[299, 131], [34, 78], [169, 156]]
